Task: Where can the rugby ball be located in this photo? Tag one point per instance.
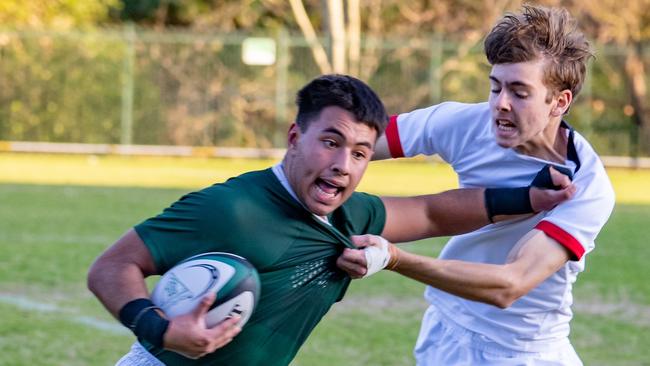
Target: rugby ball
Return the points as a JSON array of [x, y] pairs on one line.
[[234, 280]]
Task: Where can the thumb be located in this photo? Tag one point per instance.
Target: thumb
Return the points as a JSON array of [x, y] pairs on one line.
[[559, 179]]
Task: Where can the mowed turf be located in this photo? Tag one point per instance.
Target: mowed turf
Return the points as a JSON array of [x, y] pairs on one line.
[[66, 209]]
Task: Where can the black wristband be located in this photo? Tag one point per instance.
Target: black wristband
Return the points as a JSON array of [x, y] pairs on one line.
[[507, 201], [543, 177], [145, 322]]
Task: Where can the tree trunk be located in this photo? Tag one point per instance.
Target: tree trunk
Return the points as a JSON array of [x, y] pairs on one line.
[[337, 31], [354, 37], [320, 56]]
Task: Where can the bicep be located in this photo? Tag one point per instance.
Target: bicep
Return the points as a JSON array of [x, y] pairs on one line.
[[130, 249], [117, 276], [451, 212], [406, 219]]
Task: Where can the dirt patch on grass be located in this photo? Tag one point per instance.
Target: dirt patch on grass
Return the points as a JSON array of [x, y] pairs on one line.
[[623, 309]]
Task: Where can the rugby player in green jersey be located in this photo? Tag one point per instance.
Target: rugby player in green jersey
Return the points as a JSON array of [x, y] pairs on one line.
[[291, 221]]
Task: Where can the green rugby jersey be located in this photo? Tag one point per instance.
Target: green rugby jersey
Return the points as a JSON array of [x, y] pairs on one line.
[[295, 254]]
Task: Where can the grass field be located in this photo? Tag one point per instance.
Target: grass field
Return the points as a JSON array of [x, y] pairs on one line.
[[57, 213]]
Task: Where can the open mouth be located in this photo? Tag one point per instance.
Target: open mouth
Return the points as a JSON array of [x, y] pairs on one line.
[[505, 125], [328, 189]]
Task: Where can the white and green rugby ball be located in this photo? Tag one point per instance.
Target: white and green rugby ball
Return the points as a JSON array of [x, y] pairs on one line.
[[234, 280]]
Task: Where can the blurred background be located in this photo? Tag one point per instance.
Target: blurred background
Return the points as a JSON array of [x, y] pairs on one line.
[[224, 73], [212, 83]]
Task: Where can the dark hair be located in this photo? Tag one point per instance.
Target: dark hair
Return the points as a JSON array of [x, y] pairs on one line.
[[342, 91], [539, 32]]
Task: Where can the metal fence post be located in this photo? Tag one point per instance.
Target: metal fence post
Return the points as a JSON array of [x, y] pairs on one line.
[[282, 66], [126, 125], [435, 73]]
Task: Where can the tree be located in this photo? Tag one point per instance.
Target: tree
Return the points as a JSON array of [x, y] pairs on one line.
[[628, 26]]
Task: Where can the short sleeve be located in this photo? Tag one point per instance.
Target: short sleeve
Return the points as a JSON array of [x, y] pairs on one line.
[[441, 129], [178, 232], [575, 224]]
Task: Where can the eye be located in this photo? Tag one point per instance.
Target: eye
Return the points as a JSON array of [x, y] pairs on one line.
[[495, 90], [359, 155], [330, 143], [521, 95]]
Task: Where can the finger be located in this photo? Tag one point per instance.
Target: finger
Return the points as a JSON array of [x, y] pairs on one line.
[[360, 241], [572, 189], [559, 196], [353, 269], [569, 191], [230, 324], [353, 255], [204, 305], [224, 332]]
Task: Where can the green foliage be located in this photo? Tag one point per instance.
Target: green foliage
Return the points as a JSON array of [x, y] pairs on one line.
[[64, 89], [193, 89], [60, 14]]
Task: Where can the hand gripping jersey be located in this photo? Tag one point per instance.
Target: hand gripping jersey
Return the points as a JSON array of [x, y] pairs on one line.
[[462, 135], [295, 253]]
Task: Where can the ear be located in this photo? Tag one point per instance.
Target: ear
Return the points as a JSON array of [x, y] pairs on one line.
[[293, 135], [562, 103]]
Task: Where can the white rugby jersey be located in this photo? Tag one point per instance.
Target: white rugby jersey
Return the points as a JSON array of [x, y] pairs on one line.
[[462, 134]]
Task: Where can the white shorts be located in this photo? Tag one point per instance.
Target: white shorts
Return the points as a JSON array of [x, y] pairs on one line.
[[138, 356], [443, 342]]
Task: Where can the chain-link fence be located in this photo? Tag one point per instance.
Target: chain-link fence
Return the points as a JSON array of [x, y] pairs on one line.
[[128, 86]]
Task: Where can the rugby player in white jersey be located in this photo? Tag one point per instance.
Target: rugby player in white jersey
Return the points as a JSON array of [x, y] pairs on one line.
[[502, 295]]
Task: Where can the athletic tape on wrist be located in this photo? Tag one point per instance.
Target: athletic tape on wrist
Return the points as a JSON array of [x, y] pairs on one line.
[[507, 201], [377, 257], [394, 257], [142, 317]]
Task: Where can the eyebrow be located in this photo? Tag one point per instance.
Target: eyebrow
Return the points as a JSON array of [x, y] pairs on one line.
[[335, 131], [512, 83]]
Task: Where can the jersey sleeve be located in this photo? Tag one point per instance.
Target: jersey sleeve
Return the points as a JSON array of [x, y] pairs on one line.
[[440, 129], [576, 222], [180, 231]]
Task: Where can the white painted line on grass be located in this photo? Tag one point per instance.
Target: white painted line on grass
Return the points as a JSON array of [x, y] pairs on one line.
[[24, 303]]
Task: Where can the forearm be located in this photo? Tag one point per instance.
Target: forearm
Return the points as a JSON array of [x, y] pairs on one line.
[[532, 260], [488, 283], [115, 284]]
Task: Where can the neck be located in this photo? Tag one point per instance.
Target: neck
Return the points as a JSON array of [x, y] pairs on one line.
[[550, 144]]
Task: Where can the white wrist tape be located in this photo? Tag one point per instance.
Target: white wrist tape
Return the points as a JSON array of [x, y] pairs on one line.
[[377, 257]]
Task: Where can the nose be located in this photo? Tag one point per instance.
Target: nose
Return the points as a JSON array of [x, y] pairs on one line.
[[342, 161], [501, 101]]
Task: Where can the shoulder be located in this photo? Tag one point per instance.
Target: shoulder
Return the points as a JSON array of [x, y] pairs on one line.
[[362, 199], [442, 111], [243, 186], [592, 172], [440, 129], [362, 213]]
